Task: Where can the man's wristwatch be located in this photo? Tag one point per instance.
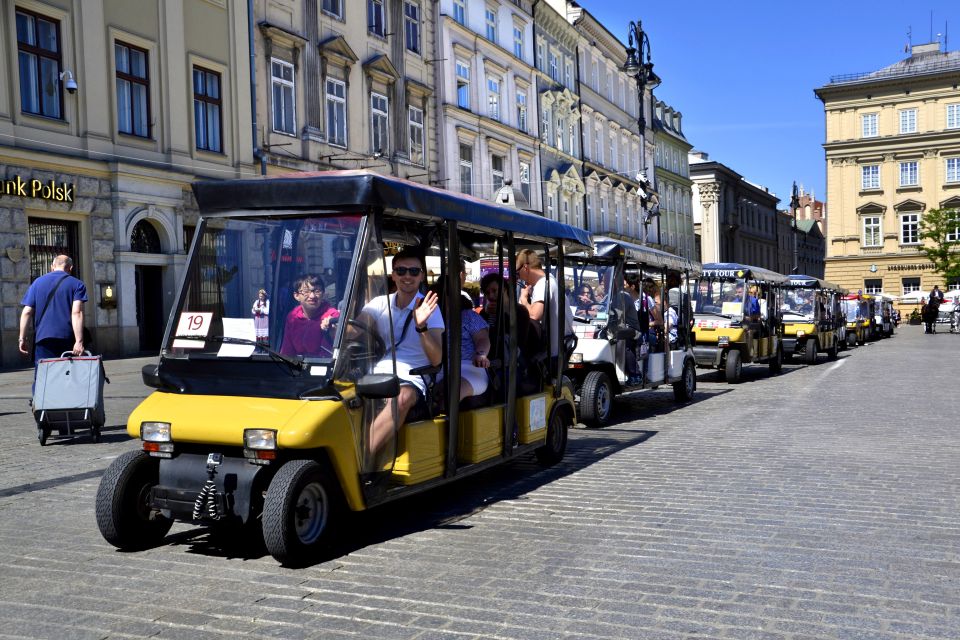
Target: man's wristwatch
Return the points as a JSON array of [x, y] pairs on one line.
[[424, 329]]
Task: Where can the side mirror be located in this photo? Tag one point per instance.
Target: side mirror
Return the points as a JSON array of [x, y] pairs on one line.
[[378, 386], [151, 376]]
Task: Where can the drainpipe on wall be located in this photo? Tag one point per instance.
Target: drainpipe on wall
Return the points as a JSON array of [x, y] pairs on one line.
[[257, 154]]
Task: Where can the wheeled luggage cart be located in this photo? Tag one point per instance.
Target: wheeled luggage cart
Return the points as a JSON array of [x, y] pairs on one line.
[[68, 396]]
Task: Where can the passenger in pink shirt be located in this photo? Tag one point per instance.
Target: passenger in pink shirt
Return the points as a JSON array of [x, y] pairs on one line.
[[309, 328]]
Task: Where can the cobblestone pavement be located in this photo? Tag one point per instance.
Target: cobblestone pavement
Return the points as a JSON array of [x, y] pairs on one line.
[[820, 503]]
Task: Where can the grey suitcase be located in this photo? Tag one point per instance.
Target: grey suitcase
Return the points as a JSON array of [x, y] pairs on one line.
[[68, 396]]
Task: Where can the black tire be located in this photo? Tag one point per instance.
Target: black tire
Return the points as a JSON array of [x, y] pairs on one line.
[[851, 340], [734, 366], [300, 512], [810, 351], [124, 515], [834, 351], [556, 445], [776, 365], [95, 434], [42, 435], [596, 399], [686, 386]]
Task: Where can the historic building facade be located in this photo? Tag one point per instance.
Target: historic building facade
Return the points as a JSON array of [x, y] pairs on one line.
[[736, 220], [561, 164], [893, 153], [673, 182], [612, 149], [347, 85], [487, 102], [120, 122]]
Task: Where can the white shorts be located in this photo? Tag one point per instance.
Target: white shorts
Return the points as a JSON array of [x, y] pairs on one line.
[[476, 376]]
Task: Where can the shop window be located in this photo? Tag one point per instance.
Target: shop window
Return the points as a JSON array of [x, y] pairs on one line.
[[144, 238]]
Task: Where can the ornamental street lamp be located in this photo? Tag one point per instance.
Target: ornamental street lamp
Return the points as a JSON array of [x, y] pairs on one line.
[[639, 66], [794, 205]]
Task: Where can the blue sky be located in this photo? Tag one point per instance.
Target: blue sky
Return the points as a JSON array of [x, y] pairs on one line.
[[743, 72]]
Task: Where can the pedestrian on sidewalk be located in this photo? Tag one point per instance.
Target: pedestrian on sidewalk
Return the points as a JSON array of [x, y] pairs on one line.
[[54, 304]]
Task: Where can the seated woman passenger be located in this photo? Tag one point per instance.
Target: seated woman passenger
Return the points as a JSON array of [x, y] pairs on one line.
[[474, 348], [586, 303], [309, 327]]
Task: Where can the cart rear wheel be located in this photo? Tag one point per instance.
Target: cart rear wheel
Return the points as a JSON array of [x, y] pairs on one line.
[[556, 445], [299, 512], [124, 515], [734, 366], [684, 388], [834, 351], [776, 365], [596, 399]]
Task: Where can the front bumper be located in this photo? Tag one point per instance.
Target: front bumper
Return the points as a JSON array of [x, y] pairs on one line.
[[708, 355], [183, 477]]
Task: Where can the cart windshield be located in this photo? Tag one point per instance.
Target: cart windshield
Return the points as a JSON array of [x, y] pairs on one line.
[[265, 287], [588, 287], [799, 303], [851, 309], [719, 296]]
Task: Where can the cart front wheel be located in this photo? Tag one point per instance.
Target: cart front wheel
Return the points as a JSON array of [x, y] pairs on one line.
[[733, 367], [596, 399], [42, 435], [810, 353], [124, 515], [299, 512]]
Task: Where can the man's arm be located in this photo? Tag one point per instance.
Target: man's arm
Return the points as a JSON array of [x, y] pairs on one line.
[[25, 320], [76, 319]]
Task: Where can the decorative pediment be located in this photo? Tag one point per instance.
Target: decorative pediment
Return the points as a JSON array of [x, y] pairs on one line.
[[572, 182], [281, 36], [870, 208], [951, 203], [381, 69], [909, 205], [336, 47], [415, 88]]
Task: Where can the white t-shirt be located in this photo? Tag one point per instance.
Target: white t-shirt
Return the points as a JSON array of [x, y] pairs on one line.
[[409, 351], [540, 295]]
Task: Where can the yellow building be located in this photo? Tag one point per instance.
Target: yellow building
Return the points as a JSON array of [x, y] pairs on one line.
[[121, 105], [893, 152]]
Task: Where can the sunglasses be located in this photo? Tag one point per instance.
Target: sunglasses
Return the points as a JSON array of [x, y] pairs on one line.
[[402, 271]]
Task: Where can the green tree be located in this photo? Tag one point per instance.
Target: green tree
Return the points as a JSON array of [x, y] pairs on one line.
[[942, 228]]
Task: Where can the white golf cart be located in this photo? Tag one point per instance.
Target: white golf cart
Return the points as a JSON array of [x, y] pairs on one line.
[[618, 349]]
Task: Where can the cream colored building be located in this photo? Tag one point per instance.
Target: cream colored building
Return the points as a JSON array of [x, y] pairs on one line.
[[122, 105], [893, 153], [487, 102], [673, 182], [612, 147], [344, 84]]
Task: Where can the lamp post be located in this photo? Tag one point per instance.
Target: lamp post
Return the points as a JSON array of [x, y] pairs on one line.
[[639, 66], [794, 205]]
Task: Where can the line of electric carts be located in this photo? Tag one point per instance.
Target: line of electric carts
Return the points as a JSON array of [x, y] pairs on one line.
[[242, 434]]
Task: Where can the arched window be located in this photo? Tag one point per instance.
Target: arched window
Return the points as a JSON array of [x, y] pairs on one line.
[[144, 238]]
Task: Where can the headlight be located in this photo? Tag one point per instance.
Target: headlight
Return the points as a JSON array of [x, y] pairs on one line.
[[260, 439], [576, 358], [801, 333], [155, 431]]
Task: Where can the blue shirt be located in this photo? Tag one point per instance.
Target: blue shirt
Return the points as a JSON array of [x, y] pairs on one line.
[[753, 306], [55, 321]]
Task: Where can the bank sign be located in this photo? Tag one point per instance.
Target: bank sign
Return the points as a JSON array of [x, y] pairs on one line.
[[52, 190]]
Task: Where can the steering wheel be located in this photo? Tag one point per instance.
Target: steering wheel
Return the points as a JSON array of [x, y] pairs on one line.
[[356, 344]]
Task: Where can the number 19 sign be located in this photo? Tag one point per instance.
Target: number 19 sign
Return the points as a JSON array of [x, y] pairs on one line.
[[192, 324]]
